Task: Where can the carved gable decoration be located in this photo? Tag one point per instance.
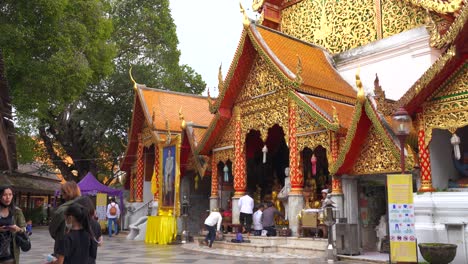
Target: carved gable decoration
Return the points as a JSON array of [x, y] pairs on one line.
[[228, 135], [307, 123], [448, 108], [261, 80], [375, 157]]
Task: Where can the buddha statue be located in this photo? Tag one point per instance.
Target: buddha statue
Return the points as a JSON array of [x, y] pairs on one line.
[[258, 194], [276, 185]]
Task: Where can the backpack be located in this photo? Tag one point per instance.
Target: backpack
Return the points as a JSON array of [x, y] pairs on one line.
[[113, 210]]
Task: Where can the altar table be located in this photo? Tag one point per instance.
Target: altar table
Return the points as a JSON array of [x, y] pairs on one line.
[[161, 229]]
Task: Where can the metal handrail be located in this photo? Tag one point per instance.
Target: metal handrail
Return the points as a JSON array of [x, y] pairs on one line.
[[133, 211]]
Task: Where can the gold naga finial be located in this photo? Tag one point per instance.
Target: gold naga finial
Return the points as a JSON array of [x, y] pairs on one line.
[[336, 120], [220, 79], [131, 78], [153, 117], [245, 19], [211, 105], [361, 96], [257, 5], [183, 125], [434, 39], [299, 70], [169, 135]]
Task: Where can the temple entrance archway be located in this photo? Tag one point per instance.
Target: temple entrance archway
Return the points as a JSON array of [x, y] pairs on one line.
[[261, 173]]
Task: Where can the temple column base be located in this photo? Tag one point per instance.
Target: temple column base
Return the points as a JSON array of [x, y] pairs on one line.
[[295, 205], [213, 203], [235, 210]]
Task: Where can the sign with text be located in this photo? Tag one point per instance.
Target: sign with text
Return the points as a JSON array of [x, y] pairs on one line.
[[401, 218]]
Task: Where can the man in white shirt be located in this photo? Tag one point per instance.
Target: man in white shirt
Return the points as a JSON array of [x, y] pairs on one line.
[[213, 225], [246, 205], [113, 214], [257, 220]]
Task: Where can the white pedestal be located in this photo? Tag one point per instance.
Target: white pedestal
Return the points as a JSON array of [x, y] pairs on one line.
[[235, 210], [213, 203]]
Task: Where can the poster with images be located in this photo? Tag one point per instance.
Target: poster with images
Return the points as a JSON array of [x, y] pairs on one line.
[[401, 218]]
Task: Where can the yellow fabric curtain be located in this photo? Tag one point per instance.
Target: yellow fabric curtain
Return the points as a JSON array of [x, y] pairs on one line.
[[101, 208], [161, 230]]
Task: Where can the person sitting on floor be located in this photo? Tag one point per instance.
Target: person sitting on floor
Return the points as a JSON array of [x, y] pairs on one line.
[[257, 220], [268, 219]]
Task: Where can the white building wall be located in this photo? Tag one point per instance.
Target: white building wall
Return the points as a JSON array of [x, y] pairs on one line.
[[442, 217], [399, 61]]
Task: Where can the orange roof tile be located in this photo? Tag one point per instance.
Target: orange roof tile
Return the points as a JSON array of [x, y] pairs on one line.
[[318, 75], [166, 105], [344, 111]]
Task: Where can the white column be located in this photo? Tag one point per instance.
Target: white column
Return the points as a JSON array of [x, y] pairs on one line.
[[213, 203], [295, 205], [235, 210], [350, 205]]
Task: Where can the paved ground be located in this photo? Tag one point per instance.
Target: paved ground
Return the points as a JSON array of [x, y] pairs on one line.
[[119, 250]]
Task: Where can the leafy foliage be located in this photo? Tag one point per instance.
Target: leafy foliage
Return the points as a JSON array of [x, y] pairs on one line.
[[68, 65]]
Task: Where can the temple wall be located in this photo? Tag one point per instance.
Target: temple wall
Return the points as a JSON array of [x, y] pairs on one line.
[[442, 217], [441, 159], [399, 61]]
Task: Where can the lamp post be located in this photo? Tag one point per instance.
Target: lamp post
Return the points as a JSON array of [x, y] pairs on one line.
[[401, 125]]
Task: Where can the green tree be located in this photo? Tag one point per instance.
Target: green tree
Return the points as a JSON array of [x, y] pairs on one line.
[[80, 108]]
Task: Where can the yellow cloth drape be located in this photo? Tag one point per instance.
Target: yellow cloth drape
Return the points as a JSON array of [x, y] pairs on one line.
[[161, 230], [154, 187], [101, 209]]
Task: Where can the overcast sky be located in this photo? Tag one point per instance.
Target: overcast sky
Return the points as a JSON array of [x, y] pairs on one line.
[[208, 32]]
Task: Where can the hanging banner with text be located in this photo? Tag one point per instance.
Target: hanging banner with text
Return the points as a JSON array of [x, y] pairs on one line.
[[401, 218]]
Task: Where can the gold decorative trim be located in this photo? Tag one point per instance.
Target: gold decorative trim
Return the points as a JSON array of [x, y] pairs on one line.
[[438, 41], [441, 7]]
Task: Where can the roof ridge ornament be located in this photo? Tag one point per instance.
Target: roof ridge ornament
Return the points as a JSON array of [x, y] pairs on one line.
[[245, 19], [298, 78], [361, 95], [220, 79], [211, 105], [183, 124], [336, 120], [135, 85]]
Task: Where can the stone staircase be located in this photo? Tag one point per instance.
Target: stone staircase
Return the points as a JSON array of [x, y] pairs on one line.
[[282, 246]]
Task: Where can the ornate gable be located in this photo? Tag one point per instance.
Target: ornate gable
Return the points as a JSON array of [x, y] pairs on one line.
[[375, 157]]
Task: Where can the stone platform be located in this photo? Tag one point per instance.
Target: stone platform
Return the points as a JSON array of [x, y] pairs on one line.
[[288, 246]]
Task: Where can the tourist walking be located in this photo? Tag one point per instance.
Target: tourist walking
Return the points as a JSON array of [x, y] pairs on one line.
[[113, 214], [76, 246], [11, 222], [70, 191], [246, 206], [257, 220], [268, 219], [213, 225]]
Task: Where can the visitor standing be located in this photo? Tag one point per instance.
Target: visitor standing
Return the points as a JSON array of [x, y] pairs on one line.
[[76, 244], [246, 205], [11, 222], [70, 191], [268, 219], [113, 214], [257, 220], [213, 225], [97, 240]]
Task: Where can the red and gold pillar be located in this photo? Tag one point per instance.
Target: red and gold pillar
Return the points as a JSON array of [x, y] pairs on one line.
[[296, 178], [240, 182], [214, 178], [140, 170], [156, 171], [424, 161], [336, 180]]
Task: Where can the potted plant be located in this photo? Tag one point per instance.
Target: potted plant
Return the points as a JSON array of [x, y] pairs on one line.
[[438, 253]]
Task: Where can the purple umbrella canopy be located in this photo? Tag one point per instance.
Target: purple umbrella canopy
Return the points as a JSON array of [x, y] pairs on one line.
[[89, 185]]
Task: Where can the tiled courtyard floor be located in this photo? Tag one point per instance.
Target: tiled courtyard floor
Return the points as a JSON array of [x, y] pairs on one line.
[[119, 250]]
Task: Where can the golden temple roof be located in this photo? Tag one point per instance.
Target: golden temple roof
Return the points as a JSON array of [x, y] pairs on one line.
[[318, 74], [165, 105]]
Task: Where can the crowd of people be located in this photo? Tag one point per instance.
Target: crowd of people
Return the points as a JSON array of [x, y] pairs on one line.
[[73, 227]]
